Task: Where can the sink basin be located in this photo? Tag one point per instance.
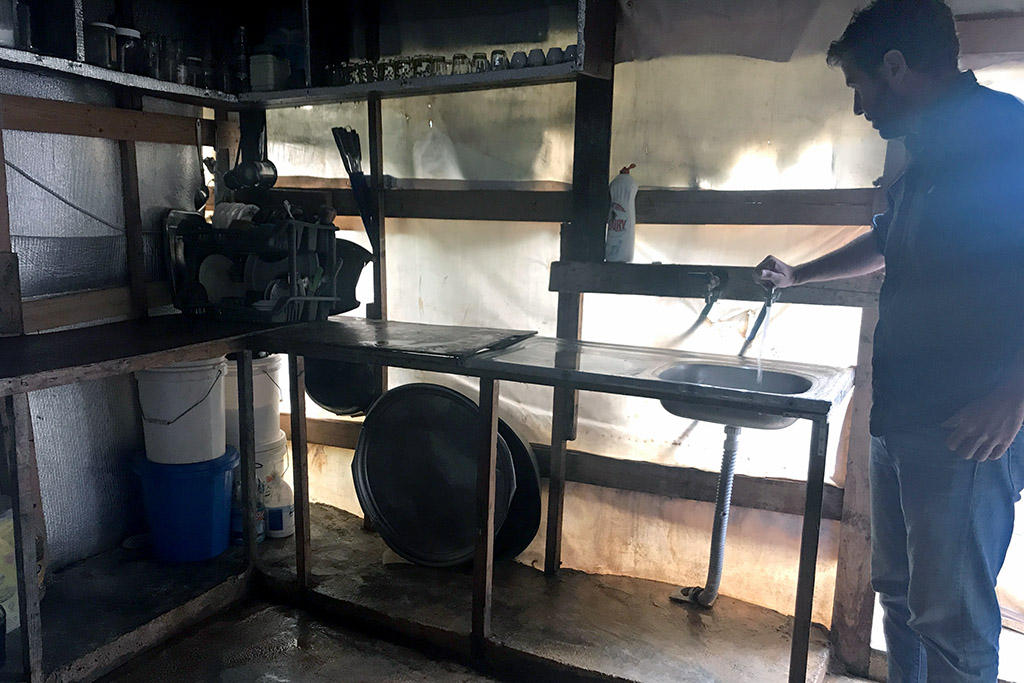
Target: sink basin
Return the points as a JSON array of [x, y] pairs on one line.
[[733, 377]]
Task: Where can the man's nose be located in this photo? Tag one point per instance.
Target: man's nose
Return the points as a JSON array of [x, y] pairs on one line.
[[857, 109]]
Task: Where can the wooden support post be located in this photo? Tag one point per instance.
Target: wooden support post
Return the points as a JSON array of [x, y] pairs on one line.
[[300, 470], [854, 604], [19, 456], [808, 552], [561, 419], [591, 160], [247, 451], [134, 245], [23, 477], [483, 562]]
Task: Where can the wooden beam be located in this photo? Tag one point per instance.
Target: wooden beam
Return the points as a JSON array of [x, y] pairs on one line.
[[756, 493], [592, 140], [340, 433], [135, 251], [854, 603], [763, 207], [49, 312], [300, 471], [247, 455], [72, 118], [690, 281], [5, 212], [689, 483], [990, 34], [466, 200], [596, 38], [10, 295], [483, 559]]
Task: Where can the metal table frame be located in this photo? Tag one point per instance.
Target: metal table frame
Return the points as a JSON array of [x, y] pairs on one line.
[[485, 493]]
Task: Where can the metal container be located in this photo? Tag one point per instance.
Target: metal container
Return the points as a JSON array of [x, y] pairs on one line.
[[100, 42], [499, 60], [480, 63]]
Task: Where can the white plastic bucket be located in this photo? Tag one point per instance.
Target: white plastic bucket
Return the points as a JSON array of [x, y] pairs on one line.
[[183, 411], [279, 499], [266, 398]]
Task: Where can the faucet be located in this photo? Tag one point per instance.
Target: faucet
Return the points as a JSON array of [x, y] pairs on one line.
[[714, 286]]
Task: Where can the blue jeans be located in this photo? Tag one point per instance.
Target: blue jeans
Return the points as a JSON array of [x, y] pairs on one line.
[[940, 527]]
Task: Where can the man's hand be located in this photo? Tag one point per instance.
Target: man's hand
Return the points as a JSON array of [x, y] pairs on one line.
[[772, 272], [984, 429]]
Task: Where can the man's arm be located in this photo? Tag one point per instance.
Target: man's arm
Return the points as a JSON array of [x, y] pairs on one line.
[[859, 257]]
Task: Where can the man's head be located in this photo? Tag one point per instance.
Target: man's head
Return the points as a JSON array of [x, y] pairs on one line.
[[894, 54]]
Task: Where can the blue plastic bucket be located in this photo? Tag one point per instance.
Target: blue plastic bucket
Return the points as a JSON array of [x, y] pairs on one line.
[[188, 507]]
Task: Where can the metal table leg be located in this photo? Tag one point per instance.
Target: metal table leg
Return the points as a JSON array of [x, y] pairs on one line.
[[483, 562], [300, 470], [808, 552], [247, 451]]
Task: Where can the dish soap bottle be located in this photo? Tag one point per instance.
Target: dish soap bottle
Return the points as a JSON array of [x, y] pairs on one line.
[[621, 233]]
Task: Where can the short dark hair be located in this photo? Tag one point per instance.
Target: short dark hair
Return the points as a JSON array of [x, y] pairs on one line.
[[923, 30]]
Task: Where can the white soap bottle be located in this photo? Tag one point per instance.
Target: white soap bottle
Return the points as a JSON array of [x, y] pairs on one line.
[[621, 232]]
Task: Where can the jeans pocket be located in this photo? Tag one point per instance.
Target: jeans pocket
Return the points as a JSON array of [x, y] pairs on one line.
[[1015, 462]]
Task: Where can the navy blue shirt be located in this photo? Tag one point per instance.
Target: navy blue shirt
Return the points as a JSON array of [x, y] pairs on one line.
[[951, 309]]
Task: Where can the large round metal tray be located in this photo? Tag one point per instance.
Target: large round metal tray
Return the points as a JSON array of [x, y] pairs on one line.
[[523, 520], [415, 473]]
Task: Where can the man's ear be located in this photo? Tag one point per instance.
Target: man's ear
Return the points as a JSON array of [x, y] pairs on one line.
[[894, 67]]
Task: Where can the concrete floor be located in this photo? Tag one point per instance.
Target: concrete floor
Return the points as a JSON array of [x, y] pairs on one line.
[[575, 624], [261, 642]]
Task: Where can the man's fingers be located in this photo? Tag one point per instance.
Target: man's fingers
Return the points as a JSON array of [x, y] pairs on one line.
[[973, 448]]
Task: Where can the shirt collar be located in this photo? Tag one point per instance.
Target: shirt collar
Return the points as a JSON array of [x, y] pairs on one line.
[[932, 125]]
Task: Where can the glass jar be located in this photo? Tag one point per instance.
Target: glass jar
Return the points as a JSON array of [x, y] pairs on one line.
[[499, 60], [442, 67], [151, 56], [460, 64], [403, 67], [100, 43], [129, 50], [480, 63], [174, 60], [193, 71], [422, 66], [8, 23]]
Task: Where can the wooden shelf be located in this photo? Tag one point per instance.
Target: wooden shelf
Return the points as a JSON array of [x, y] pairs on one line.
[[100, 612], [57, 66], [411, 87], [38, 361], [673, 280]]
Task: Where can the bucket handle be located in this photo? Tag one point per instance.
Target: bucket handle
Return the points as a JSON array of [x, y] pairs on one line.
[[158, 421], [273, 381]]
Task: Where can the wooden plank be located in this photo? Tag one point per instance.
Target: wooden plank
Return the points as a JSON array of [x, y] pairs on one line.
[[991, 33], [300, 471], [596, 37], [763, 207], [73, 118], [48, 312], [10, 295], [375, 150], [483, 561], [134, 246], [39, 361], [854, 604], [592, 140], [756, 493], [5, 213], [14, 423], [338, 432], [690, 281], [466, 200], [247, 452]]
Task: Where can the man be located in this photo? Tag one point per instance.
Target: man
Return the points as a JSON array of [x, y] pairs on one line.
[[947, 461]]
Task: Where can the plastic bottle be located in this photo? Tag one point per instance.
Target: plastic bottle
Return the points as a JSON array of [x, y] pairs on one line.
[[621, 233]]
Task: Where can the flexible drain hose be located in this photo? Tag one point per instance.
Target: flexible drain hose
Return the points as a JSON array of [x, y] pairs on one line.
[[723, 499]]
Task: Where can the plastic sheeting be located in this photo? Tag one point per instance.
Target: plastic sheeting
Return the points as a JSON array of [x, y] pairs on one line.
[[85, 433]]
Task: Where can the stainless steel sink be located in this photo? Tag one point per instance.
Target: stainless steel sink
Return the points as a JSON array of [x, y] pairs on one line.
[[733, 377]]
